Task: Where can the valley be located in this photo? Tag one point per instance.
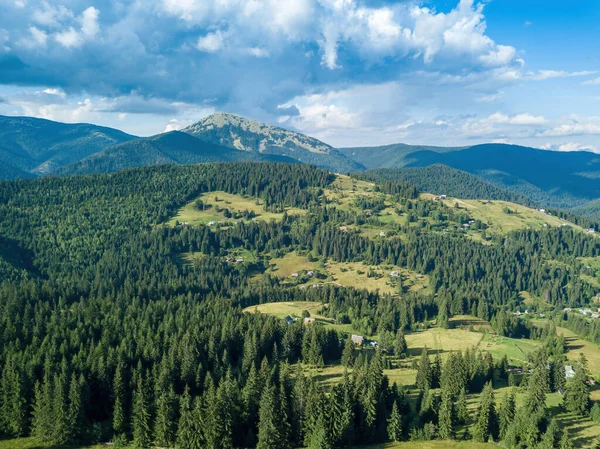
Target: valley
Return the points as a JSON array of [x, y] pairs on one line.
[[260, 275]]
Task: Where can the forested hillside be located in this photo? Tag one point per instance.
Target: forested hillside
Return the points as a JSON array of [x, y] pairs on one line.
[[31, 146], [444, 180], [127, 300]]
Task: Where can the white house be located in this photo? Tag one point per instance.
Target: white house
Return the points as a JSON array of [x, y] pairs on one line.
[[394, 274], [569, 371]]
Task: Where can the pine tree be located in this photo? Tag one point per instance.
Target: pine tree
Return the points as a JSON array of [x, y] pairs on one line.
[[462, 412], [164, 434], [485, 424], [348, 354], [60, 415], [119, 423], [188, 436], [75, 413], [424, 371], [268, 429], [42, 411], [141, 417], [507, 413], [550, 438], [319, 438], [446, 418], [537, 387], [577, 394], [565, 442], [394, 427], [400, 346]]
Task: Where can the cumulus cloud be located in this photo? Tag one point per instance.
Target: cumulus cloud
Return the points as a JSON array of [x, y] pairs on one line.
[[592, 82], [574, 126], [211, 42]]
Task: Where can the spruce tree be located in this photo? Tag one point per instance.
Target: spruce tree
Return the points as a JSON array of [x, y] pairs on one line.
[[462, 412], [485, 424], [141, 416], [507, 413], [394, 426], [565, 441], [348, 354], [189, 422], [551, 437], [268, 428], [400, 346], [319, 438], [446, 418], [577, 394], [424, 373], [60, 415], [119, 422], [76, 413], [163, 425]]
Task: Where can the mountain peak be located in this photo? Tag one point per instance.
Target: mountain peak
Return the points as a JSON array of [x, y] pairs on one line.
[[246, 134]]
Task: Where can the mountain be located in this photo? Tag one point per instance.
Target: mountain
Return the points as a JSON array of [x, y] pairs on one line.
[[550, 178], [389, 156], [31, 147], [169, 148], [247, 135]]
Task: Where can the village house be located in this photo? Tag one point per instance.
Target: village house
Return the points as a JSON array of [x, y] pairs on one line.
[[394, 274], [295, 275], [569, 372], [289, 320], [310, 274], [309, 320], [358, 339]]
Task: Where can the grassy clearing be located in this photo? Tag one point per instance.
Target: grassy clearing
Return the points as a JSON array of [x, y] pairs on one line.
[[356, 275], [235, 203], [441, 340], [293, 309], [33, 443], [432, 445], [285, 266], [576, 346], [499, 222], [516, 350]]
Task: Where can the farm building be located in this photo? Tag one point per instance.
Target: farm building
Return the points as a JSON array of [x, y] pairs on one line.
[[309, 320], [394, 274], [569, 372], [358, 339], [288, 319]]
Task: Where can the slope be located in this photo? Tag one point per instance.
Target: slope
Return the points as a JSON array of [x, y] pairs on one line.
[[31, 146], [170, 148], [251, 136], [443, 180]]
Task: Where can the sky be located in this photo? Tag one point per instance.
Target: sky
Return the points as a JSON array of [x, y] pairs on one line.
[[348, 72]]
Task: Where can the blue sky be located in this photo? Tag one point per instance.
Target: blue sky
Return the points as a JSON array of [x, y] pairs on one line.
[[350, 72]]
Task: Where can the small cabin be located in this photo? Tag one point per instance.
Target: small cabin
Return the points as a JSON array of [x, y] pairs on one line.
[[289, 320], [309, 320], [394, 274], [358, 339], [569, 372]]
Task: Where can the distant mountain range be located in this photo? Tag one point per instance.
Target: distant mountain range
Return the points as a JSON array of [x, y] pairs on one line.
[[31, 147]]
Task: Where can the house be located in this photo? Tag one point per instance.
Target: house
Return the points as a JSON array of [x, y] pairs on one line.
[[543, 211], [373, 344], [309, 320], [595, 315], [591, 230], [240, 260], [184, 223], [485, 202], [394, 274], [466, 225], [569, 372], [443, 197], [212, 223], [381, 233], [295, 275], [568, 309], [358, 339], [310, 273], [288, 319]]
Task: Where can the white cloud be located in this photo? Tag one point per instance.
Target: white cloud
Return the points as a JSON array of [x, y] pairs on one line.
[[258, 52], [89, 22], [211, 42], [572, 146], [573, 126], [53, 91], [592, 82], [550, 74], [39, 37], [88, 29], [51, 16], [490, 98], [519, 119]]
